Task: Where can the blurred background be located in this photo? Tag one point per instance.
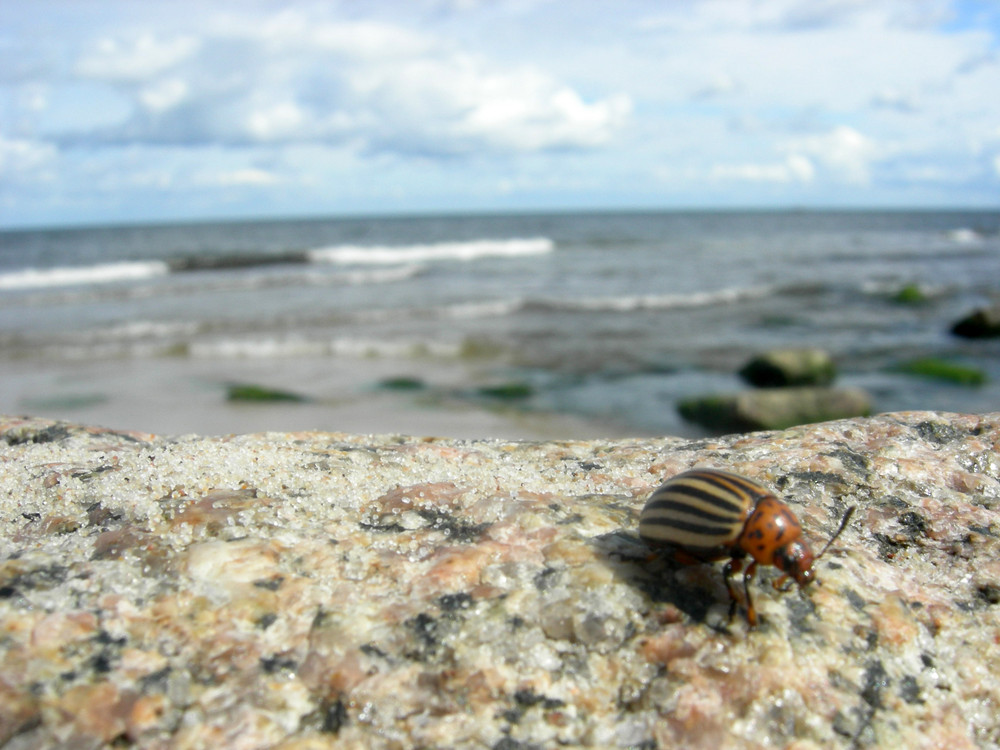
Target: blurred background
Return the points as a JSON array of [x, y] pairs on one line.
[[518, 218]]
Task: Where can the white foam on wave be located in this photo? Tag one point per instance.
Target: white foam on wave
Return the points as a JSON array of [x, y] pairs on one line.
[[638, 303], [277, 347], [964, 236], [439, 251], [37, 278], [381, 276]]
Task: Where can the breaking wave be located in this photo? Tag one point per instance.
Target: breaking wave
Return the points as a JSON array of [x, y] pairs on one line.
[[439, 251], [40, 278], [410, 256]]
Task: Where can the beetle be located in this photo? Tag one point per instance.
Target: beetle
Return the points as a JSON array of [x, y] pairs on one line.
[[705, 515]]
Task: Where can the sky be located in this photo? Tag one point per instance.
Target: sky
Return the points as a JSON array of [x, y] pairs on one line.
[[114, 111]]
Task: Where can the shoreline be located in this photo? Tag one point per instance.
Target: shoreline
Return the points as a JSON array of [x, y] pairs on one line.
[[175, 396]]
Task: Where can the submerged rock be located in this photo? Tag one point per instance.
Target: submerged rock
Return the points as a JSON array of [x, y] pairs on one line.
[[982, 323], [251, 393], [790, 367], [774, 408], [310, 590], [936, 368]]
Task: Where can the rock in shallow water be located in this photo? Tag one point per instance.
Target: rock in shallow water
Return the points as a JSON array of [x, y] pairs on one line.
[[783, 368], [325, 590], [979, 324], [774, 408]]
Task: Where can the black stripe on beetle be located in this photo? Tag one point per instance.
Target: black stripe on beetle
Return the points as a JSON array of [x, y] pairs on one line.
[[705, 515]]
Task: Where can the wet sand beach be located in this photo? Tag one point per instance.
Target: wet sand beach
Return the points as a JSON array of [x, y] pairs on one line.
[[183, 396]]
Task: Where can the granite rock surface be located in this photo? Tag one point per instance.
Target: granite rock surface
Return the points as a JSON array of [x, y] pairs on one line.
[[314, 590]]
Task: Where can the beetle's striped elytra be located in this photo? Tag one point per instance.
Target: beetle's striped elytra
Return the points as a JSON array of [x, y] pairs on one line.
[[705, 515]]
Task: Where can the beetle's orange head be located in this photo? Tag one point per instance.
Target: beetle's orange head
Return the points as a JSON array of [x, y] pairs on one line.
[[795, 559]]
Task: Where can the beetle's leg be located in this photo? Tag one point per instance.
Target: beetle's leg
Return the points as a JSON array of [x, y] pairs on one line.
[[783, 583], [751, 610], [733, 566]]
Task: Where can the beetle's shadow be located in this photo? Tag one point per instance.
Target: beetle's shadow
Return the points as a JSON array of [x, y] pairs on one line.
[[655, 574]]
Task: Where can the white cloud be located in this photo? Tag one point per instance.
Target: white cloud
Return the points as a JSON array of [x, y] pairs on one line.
[[895, 100], [163, 94], [445, 103], [386, 88], [795, 15], [250, 176], [134, 58], [459, 105], [718, 85], [844, 150], [794, 169], [24, 157]]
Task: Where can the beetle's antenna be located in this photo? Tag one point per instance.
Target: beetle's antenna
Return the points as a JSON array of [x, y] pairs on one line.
[[843, 525]]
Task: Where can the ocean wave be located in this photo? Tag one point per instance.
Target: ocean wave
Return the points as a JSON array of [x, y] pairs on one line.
[[638, 303], [40, 278], [439, 251], [380, 276], [277, 347], [964, 236], [412, 257]]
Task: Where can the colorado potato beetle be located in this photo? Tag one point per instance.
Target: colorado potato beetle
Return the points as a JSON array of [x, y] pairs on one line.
[[705, 515]]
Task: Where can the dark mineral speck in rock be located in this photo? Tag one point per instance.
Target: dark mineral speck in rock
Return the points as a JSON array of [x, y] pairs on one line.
[[453, 602]]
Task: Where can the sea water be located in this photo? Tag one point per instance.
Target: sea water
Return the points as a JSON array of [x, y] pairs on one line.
[[611, 316]]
